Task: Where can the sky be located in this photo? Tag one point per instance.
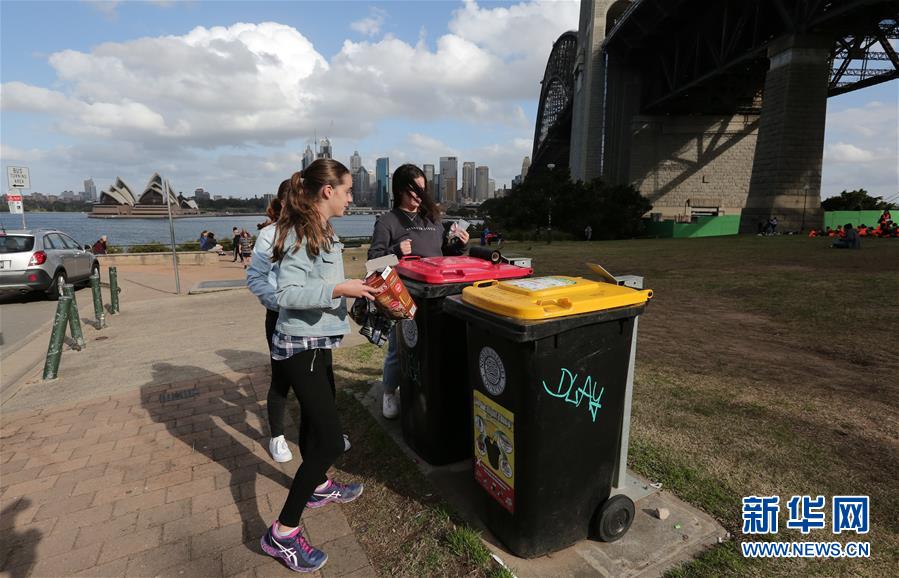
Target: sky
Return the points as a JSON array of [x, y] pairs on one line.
[[226, 95]]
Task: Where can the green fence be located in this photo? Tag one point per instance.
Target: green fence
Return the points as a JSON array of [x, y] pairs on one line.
[[702, 227], [834, 219]]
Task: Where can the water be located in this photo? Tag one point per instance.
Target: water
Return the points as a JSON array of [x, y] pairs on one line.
[[124, 232]]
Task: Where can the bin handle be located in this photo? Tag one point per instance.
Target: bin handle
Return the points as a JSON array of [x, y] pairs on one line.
[[547, 304], [453, 272], [479, 284], [410, 258]]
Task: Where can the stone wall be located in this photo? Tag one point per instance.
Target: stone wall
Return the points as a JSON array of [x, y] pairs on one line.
[[184, 258], [706, 160]]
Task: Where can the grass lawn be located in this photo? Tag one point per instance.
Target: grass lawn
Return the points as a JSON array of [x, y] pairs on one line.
[[765, 366]]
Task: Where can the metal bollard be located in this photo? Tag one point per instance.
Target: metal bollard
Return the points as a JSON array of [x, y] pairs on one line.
[[114, 290], [57, 336], [99, 316], [74, 317]]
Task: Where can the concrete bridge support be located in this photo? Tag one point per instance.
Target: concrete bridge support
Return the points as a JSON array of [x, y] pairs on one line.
[[786, 172]]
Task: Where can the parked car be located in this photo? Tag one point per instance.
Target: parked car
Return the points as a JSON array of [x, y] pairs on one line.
[[43, 260]]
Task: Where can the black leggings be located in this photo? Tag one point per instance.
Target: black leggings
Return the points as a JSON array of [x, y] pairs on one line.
[[312, 378], [276, 401]]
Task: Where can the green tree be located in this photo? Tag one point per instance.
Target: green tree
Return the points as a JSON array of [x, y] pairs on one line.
[[857, 200], [613, 212]]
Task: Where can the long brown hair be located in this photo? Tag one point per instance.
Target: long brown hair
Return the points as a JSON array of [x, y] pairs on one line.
[[273, 211], [403, 180], [299, 210]]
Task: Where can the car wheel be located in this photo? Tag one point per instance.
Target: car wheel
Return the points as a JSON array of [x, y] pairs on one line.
[[57, 287]]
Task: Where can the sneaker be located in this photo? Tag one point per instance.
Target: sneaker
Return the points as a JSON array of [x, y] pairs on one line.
[[279, 450], [390, 405], [294, 550], [334, 492], [346, 443]]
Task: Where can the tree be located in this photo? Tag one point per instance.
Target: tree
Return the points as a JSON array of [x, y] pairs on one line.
[[857, 200], [613, 212]]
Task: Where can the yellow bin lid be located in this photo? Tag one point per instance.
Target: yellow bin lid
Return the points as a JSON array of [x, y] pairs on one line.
[[550, 297]]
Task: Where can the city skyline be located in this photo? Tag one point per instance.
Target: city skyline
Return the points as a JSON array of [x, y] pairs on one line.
[[227, 96]]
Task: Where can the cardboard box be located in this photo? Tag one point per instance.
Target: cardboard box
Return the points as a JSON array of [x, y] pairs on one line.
[[395, 301]]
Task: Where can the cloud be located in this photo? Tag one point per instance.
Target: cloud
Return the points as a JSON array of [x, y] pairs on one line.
[[370, 26], [861, 149], [105, 7], [231, 88]]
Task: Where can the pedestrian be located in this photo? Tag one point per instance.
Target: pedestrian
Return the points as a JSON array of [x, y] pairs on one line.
[[412, 227], [262, 280], [204, 245], [246, 247], [312, 320], [588, 232], [235, 240], [100, 247]]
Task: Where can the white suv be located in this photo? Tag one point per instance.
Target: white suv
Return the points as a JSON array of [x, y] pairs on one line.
[[43, 260]]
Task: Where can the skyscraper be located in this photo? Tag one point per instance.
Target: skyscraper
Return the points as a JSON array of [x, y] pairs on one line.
[[382, 175], [90, 190], [361, 184], [324, 149], [525, 165], [491, 188], [355, 162], [449, 167], [468, 179], [308, 157], [483, 182], [429, 177], [450, 197]]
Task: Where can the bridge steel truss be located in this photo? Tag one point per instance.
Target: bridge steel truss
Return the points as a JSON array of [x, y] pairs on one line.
[[699, 56], [552, 135]]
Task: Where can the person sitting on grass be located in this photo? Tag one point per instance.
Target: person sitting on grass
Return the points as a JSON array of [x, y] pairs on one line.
[[850, 239]]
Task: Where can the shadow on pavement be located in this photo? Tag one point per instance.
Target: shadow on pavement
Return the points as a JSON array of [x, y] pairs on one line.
[[222, 420], [19, 549]]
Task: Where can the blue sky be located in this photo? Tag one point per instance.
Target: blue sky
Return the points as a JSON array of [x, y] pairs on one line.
[[108, 89]]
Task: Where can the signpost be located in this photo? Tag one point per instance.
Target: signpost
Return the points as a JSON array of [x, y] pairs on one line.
[[19, 179]]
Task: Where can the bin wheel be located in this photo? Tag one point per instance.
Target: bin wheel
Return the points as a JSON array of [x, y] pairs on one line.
[[613, 519]]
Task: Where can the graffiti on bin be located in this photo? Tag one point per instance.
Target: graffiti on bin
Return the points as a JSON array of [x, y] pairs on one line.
[[567, 390]]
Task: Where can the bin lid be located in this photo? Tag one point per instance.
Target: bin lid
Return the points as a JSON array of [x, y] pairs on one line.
[[462, 269], [550, 297]]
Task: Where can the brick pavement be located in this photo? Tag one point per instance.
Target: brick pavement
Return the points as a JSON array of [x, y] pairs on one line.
[[169, 480]]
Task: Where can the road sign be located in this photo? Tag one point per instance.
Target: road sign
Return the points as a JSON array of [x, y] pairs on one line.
[[18, 177], [15, 204]]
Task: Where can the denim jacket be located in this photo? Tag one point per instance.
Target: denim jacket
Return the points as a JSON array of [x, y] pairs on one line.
[[305, 286], [262, 274]]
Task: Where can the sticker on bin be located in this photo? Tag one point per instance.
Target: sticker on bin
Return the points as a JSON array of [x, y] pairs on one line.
[[494, 450], [550, 297]]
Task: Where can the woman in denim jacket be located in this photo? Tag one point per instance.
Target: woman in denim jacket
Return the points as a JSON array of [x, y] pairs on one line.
[[312, 320]]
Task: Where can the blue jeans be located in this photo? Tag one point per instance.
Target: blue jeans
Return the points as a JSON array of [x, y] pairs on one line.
[[392, 364]]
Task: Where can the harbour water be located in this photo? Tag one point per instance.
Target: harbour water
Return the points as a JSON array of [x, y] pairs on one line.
[[124, 232]]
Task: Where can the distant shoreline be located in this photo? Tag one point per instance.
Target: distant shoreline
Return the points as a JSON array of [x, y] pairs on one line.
[[154, 217]]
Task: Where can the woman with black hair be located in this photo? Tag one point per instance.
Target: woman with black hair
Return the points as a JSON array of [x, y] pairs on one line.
[[413, 227]]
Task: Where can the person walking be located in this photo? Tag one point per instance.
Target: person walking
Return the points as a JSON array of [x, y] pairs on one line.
[[235, 240], [412, 227], [262, 281], [312, 320], [246, 247], [588, 232]]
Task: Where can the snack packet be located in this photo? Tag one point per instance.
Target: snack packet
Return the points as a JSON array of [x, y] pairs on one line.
[[394, 301]]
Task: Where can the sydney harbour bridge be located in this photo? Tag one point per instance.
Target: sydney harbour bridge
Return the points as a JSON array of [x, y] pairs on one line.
[[710, 107]]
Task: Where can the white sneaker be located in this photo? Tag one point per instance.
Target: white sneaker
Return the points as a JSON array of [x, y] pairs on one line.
[[390, 405], [346, 443], [279, 450]]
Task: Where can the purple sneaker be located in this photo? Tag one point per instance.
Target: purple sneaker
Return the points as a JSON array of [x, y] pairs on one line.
[[334, 492], [294, 550]]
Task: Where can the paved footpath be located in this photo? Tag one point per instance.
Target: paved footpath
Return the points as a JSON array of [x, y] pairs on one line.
[[149, 469]]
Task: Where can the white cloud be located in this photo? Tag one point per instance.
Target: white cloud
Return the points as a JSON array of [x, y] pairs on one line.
[[847, 153], [370, 26], [265, 84]]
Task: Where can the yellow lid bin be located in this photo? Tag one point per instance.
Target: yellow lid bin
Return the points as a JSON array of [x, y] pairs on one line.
[[550, 297]]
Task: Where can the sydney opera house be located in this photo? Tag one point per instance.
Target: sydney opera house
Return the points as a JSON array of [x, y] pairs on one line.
[[119, 201]]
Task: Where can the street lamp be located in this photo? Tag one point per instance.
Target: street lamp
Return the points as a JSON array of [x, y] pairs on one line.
[[549, 215]]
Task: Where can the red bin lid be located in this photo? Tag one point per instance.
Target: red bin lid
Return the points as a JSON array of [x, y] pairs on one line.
[[443, 270]]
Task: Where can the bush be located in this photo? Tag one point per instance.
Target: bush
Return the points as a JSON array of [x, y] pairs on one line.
[[151, 247]]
